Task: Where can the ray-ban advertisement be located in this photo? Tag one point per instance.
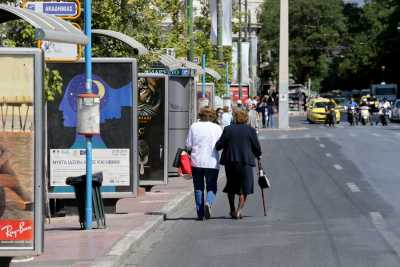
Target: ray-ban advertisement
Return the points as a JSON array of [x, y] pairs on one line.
[[20, 152]]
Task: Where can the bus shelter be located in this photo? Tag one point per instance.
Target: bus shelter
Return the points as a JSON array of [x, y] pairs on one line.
[[21, 87]]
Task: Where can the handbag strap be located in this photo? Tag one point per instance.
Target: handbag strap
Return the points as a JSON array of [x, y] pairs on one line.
[[259, 164]]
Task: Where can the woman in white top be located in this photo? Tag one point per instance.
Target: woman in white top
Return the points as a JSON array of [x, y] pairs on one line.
[[201, 140]]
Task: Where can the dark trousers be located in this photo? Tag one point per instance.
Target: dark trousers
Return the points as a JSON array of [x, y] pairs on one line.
[[210, 176]]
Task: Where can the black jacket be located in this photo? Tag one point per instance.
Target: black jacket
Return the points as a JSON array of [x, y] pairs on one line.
[[240, 144]]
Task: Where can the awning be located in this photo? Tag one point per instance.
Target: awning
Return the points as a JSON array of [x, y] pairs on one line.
[[173, 63], [170, 62], [48, 27], [191, 65], [123, 38]]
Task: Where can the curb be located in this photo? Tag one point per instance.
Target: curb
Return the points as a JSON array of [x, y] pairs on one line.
[[122, 248]]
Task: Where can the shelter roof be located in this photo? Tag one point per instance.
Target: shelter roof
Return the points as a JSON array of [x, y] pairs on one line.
[[48, 27], [139, 47]]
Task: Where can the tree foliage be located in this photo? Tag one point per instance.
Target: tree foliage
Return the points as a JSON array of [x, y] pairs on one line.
[[341, 45], [315, 32]]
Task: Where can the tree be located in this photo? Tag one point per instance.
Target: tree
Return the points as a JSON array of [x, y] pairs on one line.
[[315, 29]]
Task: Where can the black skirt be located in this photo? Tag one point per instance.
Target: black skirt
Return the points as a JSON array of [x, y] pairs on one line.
[[239, 179]]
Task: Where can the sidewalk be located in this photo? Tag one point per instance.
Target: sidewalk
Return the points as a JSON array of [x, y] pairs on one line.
[[66, 245]]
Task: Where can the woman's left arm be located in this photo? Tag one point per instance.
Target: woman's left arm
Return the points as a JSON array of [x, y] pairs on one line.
[[255, 144], [221, 143]]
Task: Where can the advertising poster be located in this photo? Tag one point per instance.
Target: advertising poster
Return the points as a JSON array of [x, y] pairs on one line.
[[18, 163], [152, 129], [210, 94], [113, 149], [235, 92]]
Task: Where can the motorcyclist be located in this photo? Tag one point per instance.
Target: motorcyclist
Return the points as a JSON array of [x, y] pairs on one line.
[[384, 107], [365, 116], [351, 111]]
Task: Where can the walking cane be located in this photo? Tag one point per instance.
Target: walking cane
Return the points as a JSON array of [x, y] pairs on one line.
[[262, 190], [263, 201]]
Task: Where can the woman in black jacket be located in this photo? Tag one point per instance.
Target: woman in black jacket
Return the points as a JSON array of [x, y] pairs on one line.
[[240, 146]]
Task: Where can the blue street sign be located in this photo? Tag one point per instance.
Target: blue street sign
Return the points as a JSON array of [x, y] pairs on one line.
[[59, 9]]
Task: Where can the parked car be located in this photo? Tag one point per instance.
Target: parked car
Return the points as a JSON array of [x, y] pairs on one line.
[[316, 111], [395, 116]]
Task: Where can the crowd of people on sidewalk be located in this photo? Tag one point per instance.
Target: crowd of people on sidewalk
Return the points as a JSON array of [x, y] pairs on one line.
[[234, 132]]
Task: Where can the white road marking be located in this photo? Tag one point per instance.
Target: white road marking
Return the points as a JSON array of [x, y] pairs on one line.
[[353, 187], [329, 135], [317, 139], [321, 127], [283, 136], [353, 135], [262, 137], [375, 134], [307, 135], [338, 167], [322, 145], [389, 236], [329, 155]]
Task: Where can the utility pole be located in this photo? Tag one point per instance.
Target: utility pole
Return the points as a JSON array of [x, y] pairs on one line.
[[88, 71], [219, 31], [189, 17], [239, 49], [284, 66]]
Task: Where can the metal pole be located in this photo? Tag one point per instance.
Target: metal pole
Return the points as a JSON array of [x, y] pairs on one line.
[[251, 63], [203, 83], [227, 78], [239, 49], [219, 31], [88, 69], [246, 22], [189, 8], [284, 66]]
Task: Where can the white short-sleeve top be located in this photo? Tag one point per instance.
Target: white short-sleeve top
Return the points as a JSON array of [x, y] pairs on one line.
[[201, 139]]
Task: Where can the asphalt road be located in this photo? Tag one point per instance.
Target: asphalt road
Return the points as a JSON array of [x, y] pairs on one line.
[[334, 202]]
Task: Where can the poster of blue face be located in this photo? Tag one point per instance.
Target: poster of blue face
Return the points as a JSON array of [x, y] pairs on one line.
[[152, 128], [114, 149]]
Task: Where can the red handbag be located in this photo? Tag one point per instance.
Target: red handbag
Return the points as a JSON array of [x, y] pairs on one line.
[[185, 164]]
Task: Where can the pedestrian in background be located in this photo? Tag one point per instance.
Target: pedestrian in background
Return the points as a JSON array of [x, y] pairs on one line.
[[219, 112], [261, 108], [240, 146], [226, 117], [253, 117], [270, 112], [201, 141]]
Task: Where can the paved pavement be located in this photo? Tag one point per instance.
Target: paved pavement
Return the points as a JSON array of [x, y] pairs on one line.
[[333, 202], [66, 245]]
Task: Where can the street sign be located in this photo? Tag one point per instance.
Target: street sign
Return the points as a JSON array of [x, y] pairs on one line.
[[196, 60], [55, 51], [66, 10]]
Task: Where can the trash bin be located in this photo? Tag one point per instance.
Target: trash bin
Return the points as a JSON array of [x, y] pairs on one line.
[[79, 184]]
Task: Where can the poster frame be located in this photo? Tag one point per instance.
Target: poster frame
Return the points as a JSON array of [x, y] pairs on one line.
[[166, 128], [38, 171], [196, 94], [135, 178]]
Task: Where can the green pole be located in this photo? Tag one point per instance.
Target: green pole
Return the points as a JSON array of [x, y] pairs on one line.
[[239, 49], [219, 30], [189, 10]]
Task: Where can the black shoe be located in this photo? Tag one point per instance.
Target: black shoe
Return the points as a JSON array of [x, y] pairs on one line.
[[207, 211]]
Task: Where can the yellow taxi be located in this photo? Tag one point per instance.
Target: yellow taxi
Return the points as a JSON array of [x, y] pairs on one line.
[[316, 110]]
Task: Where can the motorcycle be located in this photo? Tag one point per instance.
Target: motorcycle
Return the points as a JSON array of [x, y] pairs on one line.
[[365, 115], [352, 115]]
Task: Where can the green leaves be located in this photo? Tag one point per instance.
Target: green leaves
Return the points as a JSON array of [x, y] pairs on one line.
[[52, 84]]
